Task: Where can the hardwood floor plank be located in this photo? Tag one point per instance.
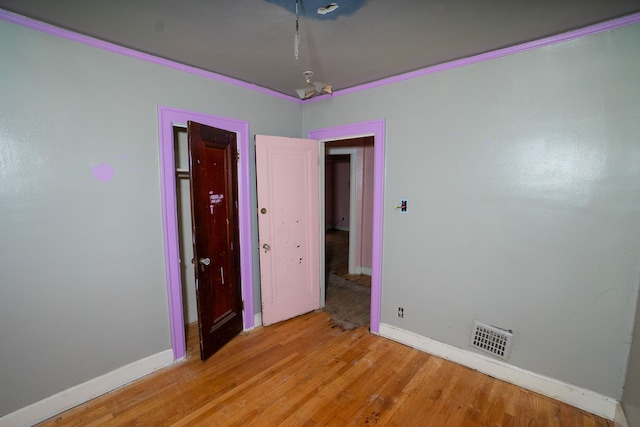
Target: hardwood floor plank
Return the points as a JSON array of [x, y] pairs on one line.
[[339, 396], [215, 406], [303, 372], [414, 393], [395, 382], [492, 412]]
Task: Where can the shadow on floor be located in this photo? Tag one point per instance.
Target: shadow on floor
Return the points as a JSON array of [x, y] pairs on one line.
[[348, 303]]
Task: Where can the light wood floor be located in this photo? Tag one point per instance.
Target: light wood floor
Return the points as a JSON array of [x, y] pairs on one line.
[[302, 372]]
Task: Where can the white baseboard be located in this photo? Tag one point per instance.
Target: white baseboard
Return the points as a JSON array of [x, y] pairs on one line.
[[341, 227], [620, 419], [366, 271], [86, 391], [257, 320], [587, 400]]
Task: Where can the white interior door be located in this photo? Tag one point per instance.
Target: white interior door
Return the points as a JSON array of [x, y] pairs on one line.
[[288, 226]]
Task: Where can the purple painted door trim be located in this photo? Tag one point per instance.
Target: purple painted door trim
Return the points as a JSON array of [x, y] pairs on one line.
[[377, 129], [167, 117]]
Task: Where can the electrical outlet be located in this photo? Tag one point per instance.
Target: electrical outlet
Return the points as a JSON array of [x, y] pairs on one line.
[[400, 312]]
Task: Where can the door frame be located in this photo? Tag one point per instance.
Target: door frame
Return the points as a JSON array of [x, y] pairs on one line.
[[167, 118], [353, 201], [375, 128]]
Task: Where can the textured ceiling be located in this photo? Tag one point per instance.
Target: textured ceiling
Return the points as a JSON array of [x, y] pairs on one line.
[[360, 42]]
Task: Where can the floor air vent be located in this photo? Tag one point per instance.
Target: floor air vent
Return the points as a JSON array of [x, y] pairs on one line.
[[489, 339]]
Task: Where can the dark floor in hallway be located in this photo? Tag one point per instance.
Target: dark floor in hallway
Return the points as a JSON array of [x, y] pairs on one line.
[[348, 296]]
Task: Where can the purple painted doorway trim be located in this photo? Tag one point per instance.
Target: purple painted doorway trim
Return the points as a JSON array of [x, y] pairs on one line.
[[167, 117], [377, 129]]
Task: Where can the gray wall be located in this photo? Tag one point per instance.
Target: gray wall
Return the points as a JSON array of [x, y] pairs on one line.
[[523, 179], [522, 175], [631, 395], [82, 274]]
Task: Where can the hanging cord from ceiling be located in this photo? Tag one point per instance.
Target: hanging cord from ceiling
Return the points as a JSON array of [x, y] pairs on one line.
[[296, 38], [312, 88]]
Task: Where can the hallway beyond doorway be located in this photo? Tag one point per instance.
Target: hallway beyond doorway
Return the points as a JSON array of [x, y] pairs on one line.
[[337, 257], [348, 296]]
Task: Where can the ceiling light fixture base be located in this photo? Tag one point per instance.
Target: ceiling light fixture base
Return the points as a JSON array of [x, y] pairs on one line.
[[313, 88]]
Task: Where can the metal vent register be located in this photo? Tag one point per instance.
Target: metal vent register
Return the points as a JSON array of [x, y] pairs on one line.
[[491, 340]]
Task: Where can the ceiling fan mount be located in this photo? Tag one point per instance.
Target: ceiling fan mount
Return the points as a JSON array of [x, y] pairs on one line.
[[313, 88], [307, 76]]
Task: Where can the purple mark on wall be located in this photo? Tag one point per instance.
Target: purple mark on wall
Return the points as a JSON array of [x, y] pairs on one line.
[[103, 172]]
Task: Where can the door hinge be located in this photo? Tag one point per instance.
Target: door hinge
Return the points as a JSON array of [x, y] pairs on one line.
[[242, 305], [237, 156]]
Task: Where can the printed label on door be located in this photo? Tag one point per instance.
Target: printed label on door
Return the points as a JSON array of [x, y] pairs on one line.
[[214, 199]]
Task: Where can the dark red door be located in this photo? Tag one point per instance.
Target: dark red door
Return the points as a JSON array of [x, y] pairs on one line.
[[214, 211]]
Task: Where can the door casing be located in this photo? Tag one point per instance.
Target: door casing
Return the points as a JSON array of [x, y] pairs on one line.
[[167, 117], [376, 129]]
